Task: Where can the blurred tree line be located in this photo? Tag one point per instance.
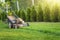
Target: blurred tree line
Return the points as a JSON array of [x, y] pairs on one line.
[[41, 12]]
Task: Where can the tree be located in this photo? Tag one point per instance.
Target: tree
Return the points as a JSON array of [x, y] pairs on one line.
[[23, 14], [28, 14], [47, 14], [40, 14], [33, 15], [56, 12]]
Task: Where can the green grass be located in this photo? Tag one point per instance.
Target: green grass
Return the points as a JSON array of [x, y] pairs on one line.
[[36, 31]]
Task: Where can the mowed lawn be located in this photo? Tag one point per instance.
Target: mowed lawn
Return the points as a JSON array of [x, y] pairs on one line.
[[36, 31]]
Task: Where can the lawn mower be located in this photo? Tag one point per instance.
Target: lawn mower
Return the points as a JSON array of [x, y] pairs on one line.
[[15, 22]]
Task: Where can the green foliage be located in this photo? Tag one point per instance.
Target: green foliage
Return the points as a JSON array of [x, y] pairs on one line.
[[46, 14], [40, 14], [3, 16], [23, 14], [28, 14], [33, 15], [44, 11], [55, 14], [59, 16], [8, 0], [2, 12]]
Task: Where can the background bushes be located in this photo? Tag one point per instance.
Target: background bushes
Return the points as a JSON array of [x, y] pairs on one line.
[[55, 12], [40, 14], [28, 14], [22, 14], [33, 15], [46, 14], [43, 12]]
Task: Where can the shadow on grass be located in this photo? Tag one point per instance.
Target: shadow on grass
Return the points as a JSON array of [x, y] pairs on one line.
[[43, 31]]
